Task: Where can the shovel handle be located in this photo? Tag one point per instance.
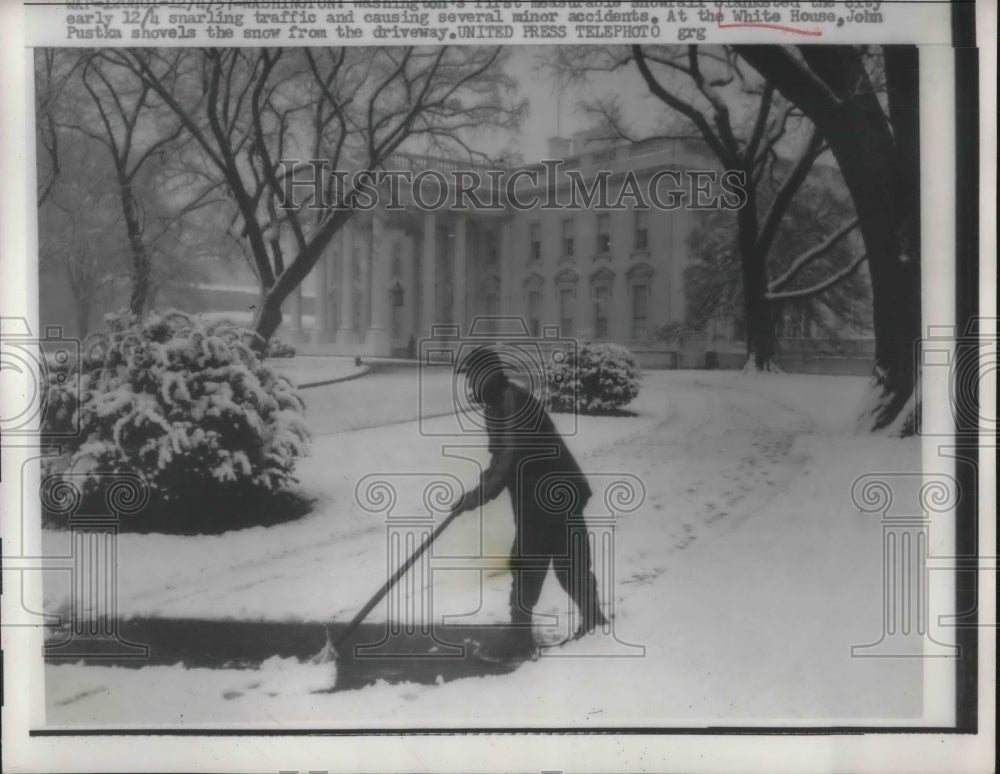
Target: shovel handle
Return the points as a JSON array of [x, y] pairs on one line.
[[380, 594]]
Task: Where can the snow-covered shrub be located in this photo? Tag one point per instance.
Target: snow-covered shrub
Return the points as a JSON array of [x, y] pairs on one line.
[[597, 378], [186, 404], [280, 348]]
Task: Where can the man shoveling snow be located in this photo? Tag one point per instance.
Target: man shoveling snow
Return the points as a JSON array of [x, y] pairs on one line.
[[548, 491]]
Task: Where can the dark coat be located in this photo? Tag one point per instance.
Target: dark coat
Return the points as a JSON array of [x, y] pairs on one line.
[[530, 459]]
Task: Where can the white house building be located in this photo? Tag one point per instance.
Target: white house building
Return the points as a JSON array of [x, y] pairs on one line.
[[599, 274]]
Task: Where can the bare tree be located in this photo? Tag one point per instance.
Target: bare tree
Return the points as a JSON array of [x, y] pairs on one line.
[[78, 235], [813, 270], [741, 120], [54, 70], [877, 147], [121, 116], [249, 111]]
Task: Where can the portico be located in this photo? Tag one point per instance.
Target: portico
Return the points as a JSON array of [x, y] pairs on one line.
[[388, 277]]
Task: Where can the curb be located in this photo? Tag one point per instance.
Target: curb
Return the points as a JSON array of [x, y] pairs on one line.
[[365, 369]]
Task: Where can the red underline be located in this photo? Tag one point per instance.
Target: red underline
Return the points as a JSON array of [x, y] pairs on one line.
[[763, 26]]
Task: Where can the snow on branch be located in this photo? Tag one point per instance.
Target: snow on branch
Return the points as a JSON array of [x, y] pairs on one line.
[[819, 287], [811, 255]]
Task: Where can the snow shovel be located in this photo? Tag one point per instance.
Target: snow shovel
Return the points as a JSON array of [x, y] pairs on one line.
[[329, 651]]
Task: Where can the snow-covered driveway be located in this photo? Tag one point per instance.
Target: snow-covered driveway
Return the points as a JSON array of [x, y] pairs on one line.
[[743, 579]]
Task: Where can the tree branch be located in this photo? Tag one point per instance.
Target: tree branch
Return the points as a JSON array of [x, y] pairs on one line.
[[810, 255], [783, 198], [686, 109], [819, 287]]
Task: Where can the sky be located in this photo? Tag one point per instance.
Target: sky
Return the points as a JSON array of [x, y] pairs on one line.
[[539, 88], [642, 110]]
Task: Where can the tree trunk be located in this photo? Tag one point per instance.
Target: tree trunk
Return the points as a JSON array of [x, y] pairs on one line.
[[140, 258], [266, 320], [762, 350], [268, 315], [82, 317], [855, 127]]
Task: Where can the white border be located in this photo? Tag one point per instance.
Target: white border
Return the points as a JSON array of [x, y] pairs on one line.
[[22, 674]]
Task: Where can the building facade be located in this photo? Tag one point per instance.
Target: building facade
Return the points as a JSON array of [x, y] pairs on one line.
[[391, 275], [599, 274]]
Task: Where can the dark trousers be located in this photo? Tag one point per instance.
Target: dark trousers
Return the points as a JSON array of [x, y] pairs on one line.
[[541, 540]]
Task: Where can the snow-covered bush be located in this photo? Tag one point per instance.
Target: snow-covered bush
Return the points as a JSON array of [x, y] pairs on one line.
[[596, 379], [186, 404], [280, 348]]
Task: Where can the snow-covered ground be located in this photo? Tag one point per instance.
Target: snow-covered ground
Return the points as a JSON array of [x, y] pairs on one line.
[[306, 370], [742, 581]]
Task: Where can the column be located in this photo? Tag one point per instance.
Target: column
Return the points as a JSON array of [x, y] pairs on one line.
[[410, 618], [379, 339], [583, 323], [295, 305], [94, 616], [411, 322], [365, 283], [347, 336], [321, 313], [429, 272], [501, 270], [619, 309], [506, 267], [907, 625], [459, 289], [290, 249]]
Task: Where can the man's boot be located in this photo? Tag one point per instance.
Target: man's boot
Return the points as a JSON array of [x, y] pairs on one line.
[[592, 620], [516, 644]]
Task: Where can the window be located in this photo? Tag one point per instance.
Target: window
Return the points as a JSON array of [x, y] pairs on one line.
[[535, 312], [567, 301], [640, 309], [601, 294], [568, 237], [603, 234], [797, 323], [535, 242], [642, 229]]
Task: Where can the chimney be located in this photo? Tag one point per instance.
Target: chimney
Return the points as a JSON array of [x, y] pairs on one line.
[[589, 140], [579, 140], [559, 147]]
